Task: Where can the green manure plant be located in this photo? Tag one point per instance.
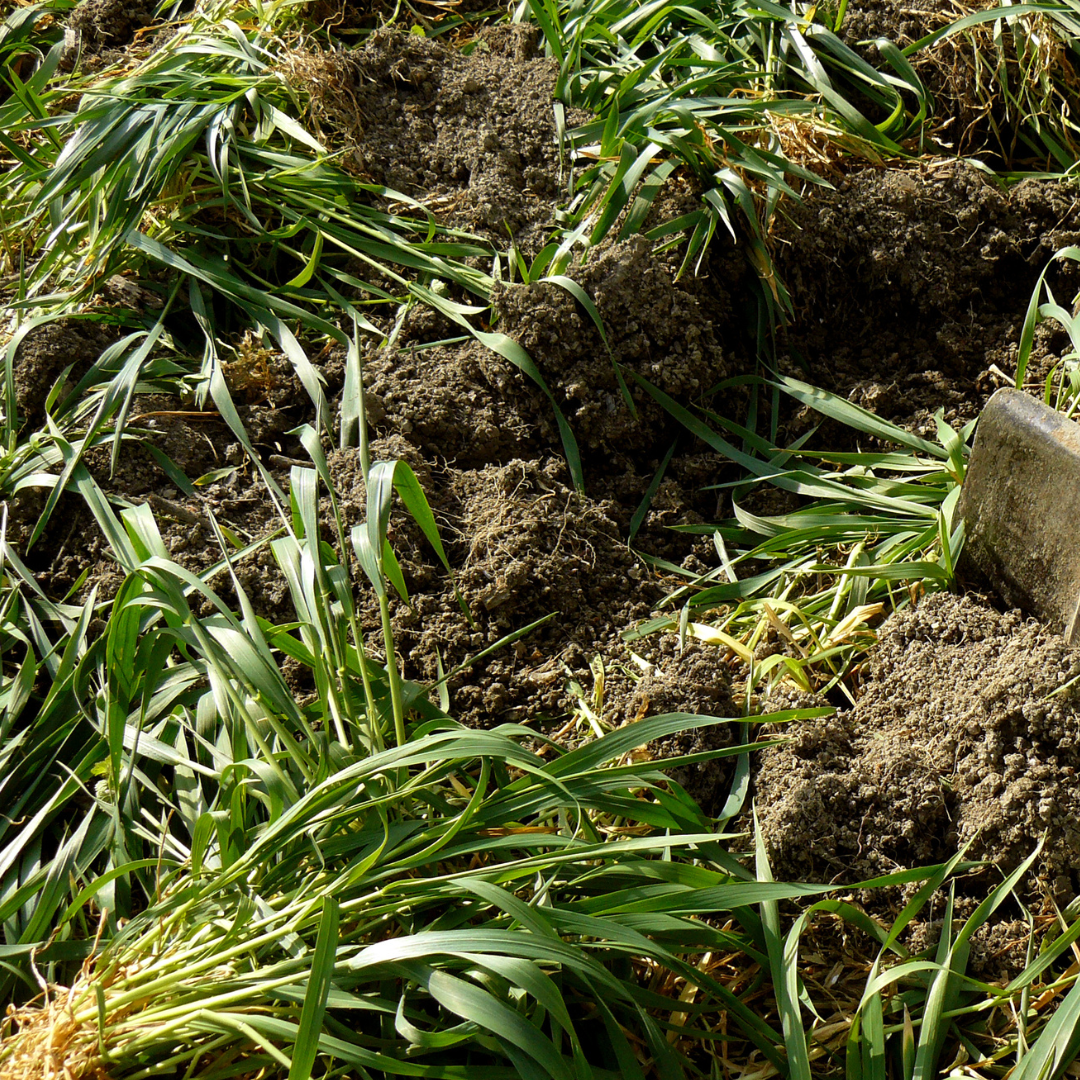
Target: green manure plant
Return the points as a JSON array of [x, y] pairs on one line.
[[204, 873], [194, 161], [711, 95], [209, 878], [916, 1016], [200, 875], [192, 172], [744, 105], [458, 903], [193, 695], [872, 529], [1061, 386]]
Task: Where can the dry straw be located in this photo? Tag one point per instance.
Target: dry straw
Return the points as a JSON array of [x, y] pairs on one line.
[[45, 1040]]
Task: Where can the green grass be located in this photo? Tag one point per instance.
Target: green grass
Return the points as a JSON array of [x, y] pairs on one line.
[[708, 93], [872, 529], [248, 877], [202, 876], [192, 175], [480, 889]]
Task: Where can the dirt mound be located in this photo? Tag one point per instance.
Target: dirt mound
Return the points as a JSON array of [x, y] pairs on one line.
[[962, 735], [472, 136], [112, 23], [462, 403], [668, 331], [526, 546], [693, 679], [46, 351], [465, 404], [925, 274]]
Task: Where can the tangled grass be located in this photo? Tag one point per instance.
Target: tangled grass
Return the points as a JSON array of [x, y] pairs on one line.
[[198, 873]]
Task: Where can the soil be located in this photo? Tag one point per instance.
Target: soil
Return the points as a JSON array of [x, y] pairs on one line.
[[102, 31], [910, 283], [472, 136], [962, 735]]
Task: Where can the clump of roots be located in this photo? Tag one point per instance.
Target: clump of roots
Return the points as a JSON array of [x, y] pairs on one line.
[[998, 78], [1004, 78], [330, 81], [45, 1040]]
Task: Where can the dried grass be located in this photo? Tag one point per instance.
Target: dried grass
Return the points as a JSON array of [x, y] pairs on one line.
[[329, 80], [970, 71], [45, 1041], [817, 145]]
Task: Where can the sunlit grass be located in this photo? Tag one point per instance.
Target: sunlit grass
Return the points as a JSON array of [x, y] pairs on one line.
[[708, 93], [872, 529], [1012, 71], [200, 874]]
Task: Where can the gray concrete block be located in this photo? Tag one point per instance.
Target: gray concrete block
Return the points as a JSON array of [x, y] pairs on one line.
[[1021, 508]]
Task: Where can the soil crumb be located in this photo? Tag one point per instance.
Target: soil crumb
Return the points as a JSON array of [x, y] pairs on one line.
[[45, 352], [967, 732], [107, 25]]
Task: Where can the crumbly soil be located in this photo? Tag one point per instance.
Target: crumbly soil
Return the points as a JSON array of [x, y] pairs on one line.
[[472, 136], [910, 284], [961, 735]]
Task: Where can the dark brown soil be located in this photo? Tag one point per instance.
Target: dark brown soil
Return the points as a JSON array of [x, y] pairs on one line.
[[103, 28], [910, 286], [667, 331], [473, 136], [46, 352]]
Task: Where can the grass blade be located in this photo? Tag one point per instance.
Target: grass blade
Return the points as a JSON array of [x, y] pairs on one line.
[[318, 989]]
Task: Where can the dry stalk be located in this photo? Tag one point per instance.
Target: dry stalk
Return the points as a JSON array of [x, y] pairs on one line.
[[46, 1042]]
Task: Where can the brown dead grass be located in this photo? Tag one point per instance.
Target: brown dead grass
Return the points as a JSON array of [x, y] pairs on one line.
[[970, 70], [45, 1041]]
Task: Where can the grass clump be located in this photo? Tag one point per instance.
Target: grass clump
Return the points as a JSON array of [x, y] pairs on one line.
[[1008, 74], [432, 959], [716, 96], [872, 529], [453, 901]]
